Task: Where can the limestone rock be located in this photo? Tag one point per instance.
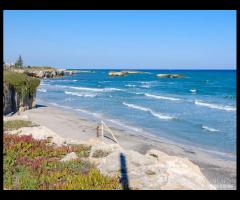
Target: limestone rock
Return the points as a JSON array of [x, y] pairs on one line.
[[13, 102], [123, 73], [69, 157], [40, 74], [117, 73], [15, 117], [109, 148], [53, 73], [153, 171], [40, 133], [169, 76], [9, 101]]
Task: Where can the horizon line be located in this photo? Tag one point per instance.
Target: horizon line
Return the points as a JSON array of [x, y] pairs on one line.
[[148, 69]]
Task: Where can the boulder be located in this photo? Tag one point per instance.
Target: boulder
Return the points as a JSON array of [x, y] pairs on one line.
[[53, 74], [60, 72], [108, 148], [69, 157], [40, 74], [153, 171], [47, 74], [40, 133]]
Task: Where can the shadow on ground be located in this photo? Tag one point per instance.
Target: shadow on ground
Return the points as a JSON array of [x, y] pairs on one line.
[[40, 106], [124, 174]]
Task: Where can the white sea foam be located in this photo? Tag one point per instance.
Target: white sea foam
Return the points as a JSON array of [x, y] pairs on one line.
[[61, 106], [89, 113], [44, 84], [78, 109], [80, 94], [155, 114], [130, 85], [42, 90], [193, 90], [112, 89], [96, 89], [215, 106], [161, 97], [63, 80], [68, 99], [145, 86], [83, 88], [210, 129], [119, 123]]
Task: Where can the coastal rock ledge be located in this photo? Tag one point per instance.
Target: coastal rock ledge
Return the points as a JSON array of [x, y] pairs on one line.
[[153, 171], [19, 92]]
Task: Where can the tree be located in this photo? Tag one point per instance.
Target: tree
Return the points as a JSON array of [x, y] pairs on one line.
[[19, 62]]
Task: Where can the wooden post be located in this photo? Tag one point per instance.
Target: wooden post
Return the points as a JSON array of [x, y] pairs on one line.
[[102, 130], [98, 130]]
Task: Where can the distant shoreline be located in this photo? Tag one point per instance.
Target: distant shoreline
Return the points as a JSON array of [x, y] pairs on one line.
[[150, 69]]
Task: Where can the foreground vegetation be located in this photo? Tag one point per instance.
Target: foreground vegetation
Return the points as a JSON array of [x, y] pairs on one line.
[[16, 124], [35, 164]]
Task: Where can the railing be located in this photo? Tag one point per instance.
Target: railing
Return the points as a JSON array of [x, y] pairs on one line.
[[101, 126]]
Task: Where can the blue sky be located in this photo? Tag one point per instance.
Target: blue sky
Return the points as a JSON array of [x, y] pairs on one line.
[[122, 39]]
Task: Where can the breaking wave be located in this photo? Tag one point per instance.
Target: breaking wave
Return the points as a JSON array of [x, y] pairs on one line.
[[161, 97], [41, 90], [215, 106], [80, 94], [210, 129], [155, 114]]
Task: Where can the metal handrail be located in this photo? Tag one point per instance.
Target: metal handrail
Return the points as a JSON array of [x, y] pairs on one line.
[[102, 124]]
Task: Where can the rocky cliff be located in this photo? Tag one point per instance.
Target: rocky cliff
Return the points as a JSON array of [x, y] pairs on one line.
[[19, 92], [45, 73]]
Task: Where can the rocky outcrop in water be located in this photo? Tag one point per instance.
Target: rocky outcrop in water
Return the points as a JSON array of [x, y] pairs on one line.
[[124, 73], [170, 76]]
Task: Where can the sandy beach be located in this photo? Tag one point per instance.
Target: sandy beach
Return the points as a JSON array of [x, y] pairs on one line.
[[220, 172]]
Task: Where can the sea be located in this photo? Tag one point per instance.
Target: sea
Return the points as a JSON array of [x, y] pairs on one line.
[[198, 110]]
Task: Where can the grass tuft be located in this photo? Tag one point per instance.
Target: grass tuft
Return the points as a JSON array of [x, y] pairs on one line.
[[100, 154], [16, 124]]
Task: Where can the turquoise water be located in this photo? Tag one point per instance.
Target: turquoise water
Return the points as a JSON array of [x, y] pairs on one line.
[[199, 109]]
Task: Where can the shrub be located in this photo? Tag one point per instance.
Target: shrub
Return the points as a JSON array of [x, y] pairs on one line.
[[23, 84], [33, 164]]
